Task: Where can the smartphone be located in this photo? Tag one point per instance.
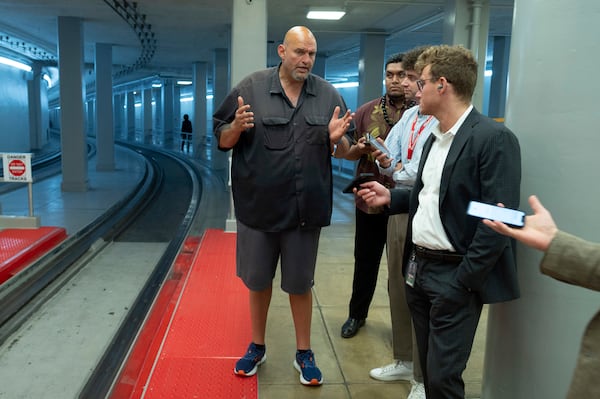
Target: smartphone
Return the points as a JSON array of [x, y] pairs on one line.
[[371, 141], [357, 181], [512, 217]]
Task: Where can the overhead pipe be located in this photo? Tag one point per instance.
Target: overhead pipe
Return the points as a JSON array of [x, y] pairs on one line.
[[476, 6]]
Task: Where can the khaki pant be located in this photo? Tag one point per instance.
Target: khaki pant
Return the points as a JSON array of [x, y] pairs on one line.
[[403, 334]]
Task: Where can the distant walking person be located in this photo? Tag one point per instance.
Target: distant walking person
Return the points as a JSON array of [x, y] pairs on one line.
[[186, 132]]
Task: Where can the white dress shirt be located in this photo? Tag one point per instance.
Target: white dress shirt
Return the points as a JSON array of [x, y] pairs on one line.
[[428, 230]]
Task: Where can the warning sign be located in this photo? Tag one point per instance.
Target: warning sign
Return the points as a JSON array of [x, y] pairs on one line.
[[17, 167]]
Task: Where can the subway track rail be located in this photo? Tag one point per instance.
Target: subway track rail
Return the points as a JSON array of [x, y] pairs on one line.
[[158, 214]]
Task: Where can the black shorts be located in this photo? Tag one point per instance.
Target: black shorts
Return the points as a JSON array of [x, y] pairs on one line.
[[258, 253]]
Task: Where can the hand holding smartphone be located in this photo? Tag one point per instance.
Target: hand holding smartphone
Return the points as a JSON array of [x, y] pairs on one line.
[[357, 181], [511, 217], [371, 141]]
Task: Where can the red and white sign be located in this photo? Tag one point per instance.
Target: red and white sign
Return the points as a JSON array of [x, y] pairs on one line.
[[17, 167]]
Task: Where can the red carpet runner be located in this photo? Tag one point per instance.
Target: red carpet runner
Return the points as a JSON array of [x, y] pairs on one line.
[[20, 247], [189, 351]]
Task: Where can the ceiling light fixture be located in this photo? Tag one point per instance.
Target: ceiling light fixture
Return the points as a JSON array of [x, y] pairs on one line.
[[332, 14], [15, 64]]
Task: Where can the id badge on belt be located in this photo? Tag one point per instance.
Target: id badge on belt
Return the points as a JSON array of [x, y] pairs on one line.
[[411, 272]]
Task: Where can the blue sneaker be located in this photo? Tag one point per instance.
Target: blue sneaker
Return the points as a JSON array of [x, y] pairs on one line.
[[248, 365], [306, 366]]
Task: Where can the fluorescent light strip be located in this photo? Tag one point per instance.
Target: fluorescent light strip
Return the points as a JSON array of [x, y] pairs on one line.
[[191, 98], [15, 64], [327, 15], [344, 85]]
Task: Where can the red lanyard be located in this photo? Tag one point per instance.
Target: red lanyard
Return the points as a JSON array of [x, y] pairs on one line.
[[412, 140]]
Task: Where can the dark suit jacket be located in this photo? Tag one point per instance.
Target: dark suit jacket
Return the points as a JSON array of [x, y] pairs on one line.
[[483, 164]]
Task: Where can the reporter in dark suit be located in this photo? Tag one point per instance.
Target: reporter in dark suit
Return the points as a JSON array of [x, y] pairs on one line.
[[575, 261], [453, 263]]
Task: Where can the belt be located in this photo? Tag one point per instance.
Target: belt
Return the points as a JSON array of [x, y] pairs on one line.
[[442, 255]]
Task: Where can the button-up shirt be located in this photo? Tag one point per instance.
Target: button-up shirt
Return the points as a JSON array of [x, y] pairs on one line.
[[281, 168]]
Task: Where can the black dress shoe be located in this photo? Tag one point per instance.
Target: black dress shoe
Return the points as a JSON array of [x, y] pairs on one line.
[[351, 327]]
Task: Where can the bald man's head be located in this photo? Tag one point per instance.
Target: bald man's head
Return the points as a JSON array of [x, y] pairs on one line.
[[297, 53]]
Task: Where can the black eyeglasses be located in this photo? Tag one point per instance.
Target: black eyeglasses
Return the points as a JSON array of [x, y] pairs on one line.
[[421, 83]]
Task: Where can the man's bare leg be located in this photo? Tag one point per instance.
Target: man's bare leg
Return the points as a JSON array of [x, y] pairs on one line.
[[301, 306], [259, 309]]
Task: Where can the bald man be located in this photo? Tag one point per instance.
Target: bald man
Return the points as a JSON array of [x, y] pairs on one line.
[[283, 125]]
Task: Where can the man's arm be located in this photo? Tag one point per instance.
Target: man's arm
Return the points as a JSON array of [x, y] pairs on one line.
[[244, 119], [567, 258], [573, 260], [375, 194], [539, 229]]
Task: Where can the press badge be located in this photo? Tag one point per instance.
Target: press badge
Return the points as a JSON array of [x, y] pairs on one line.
[[411, 272]]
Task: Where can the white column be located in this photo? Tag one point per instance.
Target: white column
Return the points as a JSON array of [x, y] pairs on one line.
[[248, 41], [105, 136], [221, 85], [147, 114], [167, 108], [248, 52], [90, 129], [157, 114], [221, 72], [532, 343], [498, 86], [34, 94], [370, 67], [130, 116], [200, 74], [177, 116], [466, 22], [118, 104], [72, 94], [320, 66]]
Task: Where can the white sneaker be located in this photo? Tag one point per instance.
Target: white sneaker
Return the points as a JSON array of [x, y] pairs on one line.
[[417, 391], [399, 370]]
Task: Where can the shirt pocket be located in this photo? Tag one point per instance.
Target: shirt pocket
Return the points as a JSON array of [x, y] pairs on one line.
[[277, 133], [318, 129]]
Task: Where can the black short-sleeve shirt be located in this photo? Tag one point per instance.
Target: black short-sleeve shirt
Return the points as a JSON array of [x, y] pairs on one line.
[[281, 168]]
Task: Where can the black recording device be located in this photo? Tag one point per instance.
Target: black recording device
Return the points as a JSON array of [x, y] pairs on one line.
[[357, 181]]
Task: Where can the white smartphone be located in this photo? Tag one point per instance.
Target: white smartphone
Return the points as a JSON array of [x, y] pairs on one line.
[[512, 217], [372, 141]]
